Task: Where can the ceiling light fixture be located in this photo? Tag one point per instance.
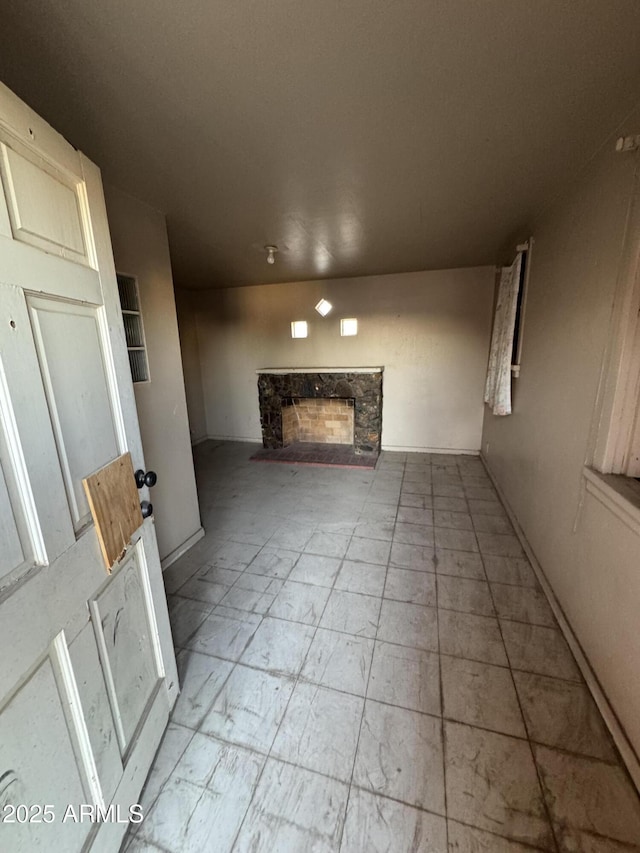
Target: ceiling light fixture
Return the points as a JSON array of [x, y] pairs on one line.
[[271, 254], [323, 307]]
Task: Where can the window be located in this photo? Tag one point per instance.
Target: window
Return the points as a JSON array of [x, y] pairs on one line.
[[618, 439], [133, 328], [323, 307], [506, 336], [348, 327], [516, 353], [299, 329]]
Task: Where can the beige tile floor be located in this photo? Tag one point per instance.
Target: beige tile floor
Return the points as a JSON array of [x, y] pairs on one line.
[[368, 664]]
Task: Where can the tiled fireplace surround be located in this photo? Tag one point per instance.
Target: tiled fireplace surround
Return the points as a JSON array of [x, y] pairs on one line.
[[278, 387], [325, 420]]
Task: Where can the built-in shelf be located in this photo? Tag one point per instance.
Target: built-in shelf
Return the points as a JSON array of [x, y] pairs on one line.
[[133, 327]]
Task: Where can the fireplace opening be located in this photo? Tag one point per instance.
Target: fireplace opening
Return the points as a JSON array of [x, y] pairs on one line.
[[318, 420]]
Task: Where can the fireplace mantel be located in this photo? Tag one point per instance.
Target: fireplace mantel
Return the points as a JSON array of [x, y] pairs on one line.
[[280, 371], [363, 385]]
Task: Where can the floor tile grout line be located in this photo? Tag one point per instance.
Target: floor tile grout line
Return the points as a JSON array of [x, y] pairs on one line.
[[231, 671], [296, 682], [253, 750], [525, 845], [388, 642], [441, 687], [324, 775], [199, 625], [135, 833], [366, 691], [153, 845], [522, 715]]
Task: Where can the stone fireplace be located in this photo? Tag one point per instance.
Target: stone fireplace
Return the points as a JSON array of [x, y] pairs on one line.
[[289, 398]]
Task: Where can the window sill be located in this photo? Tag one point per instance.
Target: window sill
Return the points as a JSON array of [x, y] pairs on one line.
[[619, 494]]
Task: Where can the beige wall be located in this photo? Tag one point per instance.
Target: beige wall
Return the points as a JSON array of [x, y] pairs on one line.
[[140, 248], [590, 557], [191, 363], [429, 330]]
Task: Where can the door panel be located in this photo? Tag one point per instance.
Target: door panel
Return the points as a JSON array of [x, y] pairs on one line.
[[45, 205], [11, 554], [19, 528], [122, 621], [47, 600], [69, 348], [87, 671], [92, 691], [31, 449], [39, 764]]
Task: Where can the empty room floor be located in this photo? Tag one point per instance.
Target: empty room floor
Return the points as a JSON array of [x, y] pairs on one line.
[[368, 664]]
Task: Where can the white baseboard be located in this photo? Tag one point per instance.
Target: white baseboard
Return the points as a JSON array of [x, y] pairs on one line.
[[625, 747], [195, 441], [452, 451], [182, 549]]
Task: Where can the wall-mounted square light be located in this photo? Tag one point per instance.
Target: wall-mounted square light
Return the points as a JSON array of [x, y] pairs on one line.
[[323, 307], [348, 327], [299, 329]]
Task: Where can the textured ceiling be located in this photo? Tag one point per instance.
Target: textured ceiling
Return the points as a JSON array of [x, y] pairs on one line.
[[359, 136]]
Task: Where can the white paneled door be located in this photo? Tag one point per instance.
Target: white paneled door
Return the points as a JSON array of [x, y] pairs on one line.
[[87, 669]]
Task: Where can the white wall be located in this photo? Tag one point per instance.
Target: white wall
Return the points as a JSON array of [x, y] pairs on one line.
[[191, 363], [590, 557], [141, 249], [429, 330]]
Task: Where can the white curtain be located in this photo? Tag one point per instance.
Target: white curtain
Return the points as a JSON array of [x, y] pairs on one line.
[[497, 391]]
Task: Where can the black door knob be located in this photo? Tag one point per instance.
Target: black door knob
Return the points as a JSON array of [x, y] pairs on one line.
[[146, 509], [150, 478]]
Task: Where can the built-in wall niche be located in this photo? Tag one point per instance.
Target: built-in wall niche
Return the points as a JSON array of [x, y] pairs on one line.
[[133, 327]]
